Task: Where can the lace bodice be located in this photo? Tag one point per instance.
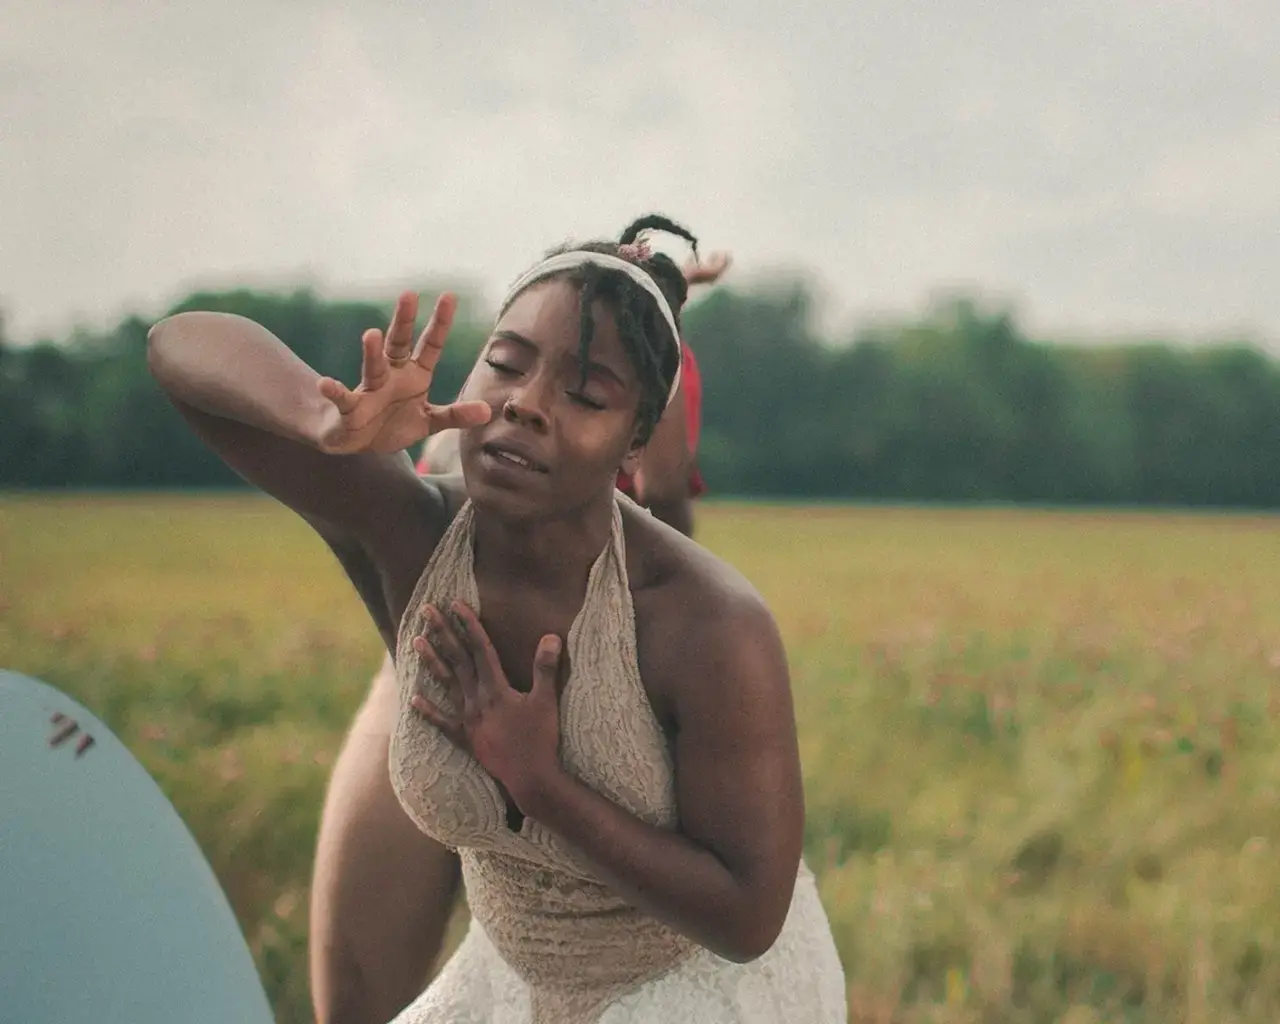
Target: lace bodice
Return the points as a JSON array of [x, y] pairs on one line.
[[571, 938]]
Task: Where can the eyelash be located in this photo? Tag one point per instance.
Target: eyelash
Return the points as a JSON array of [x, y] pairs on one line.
[[577, 396]]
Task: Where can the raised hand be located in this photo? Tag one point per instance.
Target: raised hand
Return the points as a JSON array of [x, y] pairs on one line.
[[707, 271], [515, 736], [389, 410]]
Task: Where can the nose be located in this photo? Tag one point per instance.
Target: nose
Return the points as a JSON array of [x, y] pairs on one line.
[[528, 405]]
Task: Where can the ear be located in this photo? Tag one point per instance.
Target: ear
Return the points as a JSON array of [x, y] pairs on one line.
[[631, 461]]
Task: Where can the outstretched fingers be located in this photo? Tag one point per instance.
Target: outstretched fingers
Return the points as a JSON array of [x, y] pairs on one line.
[[709, 270], [546, 667], [399, 343], [373, 374], [451, 727], [374, 366], [431, 342], [491, 679], [458, 415], [339, 394], [445, 660]]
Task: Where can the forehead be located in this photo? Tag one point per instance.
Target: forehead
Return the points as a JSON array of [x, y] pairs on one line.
[[549, 314]]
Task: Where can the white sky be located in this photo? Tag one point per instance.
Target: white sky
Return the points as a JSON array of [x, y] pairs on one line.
[[1110, 165]]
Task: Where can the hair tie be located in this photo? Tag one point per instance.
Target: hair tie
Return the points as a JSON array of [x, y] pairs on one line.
[[637, 251]]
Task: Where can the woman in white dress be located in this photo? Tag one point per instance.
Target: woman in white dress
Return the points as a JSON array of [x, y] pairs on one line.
[[383, 891], [595, 711]]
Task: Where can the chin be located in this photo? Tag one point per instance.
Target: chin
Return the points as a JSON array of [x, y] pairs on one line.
[[505, 495], [512, 507]]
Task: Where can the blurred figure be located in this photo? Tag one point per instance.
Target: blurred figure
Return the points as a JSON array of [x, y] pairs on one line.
[[382, 891]]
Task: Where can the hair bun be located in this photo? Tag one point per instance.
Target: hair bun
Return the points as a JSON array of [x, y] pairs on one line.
[[657, 222]]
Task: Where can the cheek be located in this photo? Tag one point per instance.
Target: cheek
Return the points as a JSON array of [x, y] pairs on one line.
[[596, 440]]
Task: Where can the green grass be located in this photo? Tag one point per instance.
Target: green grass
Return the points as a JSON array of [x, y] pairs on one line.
[[1040, 747]]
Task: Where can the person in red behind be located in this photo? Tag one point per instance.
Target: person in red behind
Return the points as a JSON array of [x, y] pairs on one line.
[[383, 891]]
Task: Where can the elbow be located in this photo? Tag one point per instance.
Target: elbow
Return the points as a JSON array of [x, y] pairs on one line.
[[750, 947], [753, 937]]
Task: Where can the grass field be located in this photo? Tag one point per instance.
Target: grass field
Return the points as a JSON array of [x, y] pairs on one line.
[[1040, 749]]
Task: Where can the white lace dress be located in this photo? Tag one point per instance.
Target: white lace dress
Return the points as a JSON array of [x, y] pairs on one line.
[[549, 942]]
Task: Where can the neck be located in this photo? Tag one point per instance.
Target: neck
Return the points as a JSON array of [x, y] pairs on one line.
[[549, 554]]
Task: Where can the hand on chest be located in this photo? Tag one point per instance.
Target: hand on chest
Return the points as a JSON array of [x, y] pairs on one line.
[[516, 620], [456, 762]]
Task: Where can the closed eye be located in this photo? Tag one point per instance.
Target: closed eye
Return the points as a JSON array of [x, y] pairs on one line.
[[506, 369], [582, 399]]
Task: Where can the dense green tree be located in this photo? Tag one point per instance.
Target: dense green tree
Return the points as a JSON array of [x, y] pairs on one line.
[[956, 404]]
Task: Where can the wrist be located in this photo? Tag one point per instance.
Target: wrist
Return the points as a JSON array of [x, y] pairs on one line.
[[539, 790], [319, 426]]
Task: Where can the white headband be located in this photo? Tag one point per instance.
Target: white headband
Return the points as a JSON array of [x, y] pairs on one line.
[[572, 260]]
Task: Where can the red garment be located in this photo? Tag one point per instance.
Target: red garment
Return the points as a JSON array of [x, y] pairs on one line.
[[691, 388]]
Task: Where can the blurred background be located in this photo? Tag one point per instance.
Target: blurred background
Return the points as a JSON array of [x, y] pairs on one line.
[[992, 416]]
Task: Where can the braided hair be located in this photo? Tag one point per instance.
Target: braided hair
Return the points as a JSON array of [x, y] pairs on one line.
[[643, 330]]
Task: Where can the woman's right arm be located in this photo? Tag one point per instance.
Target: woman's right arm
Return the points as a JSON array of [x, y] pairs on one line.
[[262, 410], [259, 407]]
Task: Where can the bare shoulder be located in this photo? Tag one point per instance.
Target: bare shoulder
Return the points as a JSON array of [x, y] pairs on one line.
[[703, 631]]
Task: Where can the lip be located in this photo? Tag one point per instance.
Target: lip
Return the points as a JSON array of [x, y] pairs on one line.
[[504, 446]]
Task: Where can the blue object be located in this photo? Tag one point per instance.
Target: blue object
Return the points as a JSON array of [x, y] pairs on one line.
[[109, 912]]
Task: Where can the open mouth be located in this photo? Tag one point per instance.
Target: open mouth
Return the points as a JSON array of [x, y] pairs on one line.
[[507, 456]]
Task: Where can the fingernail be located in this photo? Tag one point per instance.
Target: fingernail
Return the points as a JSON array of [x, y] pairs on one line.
[[554, 647]]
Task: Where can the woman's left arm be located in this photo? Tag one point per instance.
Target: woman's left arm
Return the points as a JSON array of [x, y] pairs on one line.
[[726, 879]]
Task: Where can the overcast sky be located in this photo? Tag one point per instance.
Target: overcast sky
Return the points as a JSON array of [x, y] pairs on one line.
[[1110, 165]]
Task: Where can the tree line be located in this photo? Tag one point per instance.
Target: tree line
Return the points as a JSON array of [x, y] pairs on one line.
[[956, 403]]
